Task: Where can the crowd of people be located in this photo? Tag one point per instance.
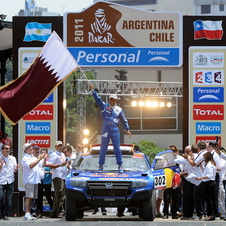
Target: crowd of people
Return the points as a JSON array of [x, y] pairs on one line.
[[202, 188], [39, 171], [201, 191]]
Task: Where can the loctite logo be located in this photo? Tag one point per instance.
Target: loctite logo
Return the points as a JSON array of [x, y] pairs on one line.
[[208, 112], [42, 112], [41, 141], [208, 139]]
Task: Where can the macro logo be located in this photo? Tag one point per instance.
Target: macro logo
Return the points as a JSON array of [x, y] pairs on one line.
[[41, 141], [208, 128], [208, 112], [100, 29], [208, 139], [37, 128], [208, 94], [42, 112]]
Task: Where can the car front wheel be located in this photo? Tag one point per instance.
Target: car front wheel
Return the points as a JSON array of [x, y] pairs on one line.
[[149, 208], [70, 209]]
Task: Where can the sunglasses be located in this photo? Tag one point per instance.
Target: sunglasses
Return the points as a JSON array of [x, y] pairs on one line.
[[7, 148]]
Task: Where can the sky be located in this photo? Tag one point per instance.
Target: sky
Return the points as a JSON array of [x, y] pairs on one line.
[[12, 7]]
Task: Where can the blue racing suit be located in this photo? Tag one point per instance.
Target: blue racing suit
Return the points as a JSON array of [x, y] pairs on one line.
[[111, 116]]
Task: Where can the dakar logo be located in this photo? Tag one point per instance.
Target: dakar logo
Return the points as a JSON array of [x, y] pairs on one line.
[[100, 29]]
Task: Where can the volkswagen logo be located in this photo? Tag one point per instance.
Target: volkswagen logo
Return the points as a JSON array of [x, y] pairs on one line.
[[109, 185]]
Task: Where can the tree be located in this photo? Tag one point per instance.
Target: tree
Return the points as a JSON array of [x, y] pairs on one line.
[[149, 148]]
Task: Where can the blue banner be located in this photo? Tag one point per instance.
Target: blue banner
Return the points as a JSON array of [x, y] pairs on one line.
[[130, 57], [208, 128], [208, 94], [37, 128]]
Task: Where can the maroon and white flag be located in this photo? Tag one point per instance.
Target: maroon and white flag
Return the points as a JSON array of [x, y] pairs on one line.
[[52, 65]]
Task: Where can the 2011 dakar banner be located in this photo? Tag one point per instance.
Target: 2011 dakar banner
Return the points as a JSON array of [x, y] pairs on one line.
[[112, 35]]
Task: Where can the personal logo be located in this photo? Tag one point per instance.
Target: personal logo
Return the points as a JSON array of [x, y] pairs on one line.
[[109, 185], [37, 32], [100, 29], [208, 94]]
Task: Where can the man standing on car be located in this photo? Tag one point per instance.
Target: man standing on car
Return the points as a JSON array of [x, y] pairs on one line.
[[111, 115]]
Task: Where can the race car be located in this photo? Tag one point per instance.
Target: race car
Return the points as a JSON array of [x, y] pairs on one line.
[[135, 188]]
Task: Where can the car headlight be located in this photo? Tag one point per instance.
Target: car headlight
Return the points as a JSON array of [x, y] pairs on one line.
[[78, 183], [139, 184]]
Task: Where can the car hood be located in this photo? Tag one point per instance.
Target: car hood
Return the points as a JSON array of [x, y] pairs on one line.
[[110, 175]]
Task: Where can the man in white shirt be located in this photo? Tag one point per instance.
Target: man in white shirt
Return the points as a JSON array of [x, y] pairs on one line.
[[198, 191], [8, 166], [31, 178], [211, 148], [59, 167]]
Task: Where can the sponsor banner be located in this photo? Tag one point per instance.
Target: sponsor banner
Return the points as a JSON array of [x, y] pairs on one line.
[[208, 77], [208, 139], [208, 59], [41, 141], [129, 30], [28, 58], [208, 94], [37, 127], [125, 56], [208, 128], [42, 112], [49, 99], [208, 112]]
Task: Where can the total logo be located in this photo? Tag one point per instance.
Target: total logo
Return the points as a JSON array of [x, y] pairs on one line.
[[41, 141], [208, 139], [208, 128], [208, 112], [206, 77], [208, 94], [42, 112]]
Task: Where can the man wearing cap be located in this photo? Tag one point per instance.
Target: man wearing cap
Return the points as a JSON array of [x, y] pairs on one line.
[[31, 177], [59, 167], [111, 115], [8, 166]]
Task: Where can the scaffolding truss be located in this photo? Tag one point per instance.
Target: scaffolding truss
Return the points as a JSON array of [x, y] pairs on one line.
[[129, 89]]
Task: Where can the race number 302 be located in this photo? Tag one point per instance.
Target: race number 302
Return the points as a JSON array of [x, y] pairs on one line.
[[160, 181]]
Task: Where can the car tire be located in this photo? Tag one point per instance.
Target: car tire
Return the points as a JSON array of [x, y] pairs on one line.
[[70, 209], [80, 214], [149, 208]]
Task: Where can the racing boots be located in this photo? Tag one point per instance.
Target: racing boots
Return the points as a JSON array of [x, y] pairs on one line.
[[100, 170], [120, 169]]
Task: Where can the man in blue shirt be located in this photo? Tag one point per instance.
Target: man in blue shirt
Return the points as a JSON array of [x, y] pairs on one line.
[[111, 115]]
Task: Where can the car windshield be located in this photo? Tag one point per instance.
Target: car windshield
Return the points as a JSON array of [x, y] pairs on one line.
[[130, 163]]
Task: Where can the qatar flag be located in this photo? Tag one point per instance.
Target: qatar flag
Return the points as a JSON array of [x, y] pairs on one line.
[[52, 65], [208, 29]]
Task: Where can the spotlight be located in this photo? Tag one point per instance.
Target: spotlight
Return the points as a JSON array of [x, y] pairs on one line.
[[141, 103], [86, 131], [169, 104], [155, 104], [161, 104], [85, 141], [148, 103], [134, 103]]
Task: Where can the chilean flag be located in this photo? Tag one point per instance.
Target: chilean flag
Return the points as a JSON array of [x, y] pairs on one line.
[[208, 29], [52, 66]]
